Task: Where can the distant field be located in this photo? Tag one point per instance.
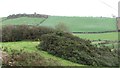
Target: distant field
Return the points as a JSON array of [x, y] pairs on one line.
[[101, 36], [23, 21], [119, 36], [74, 24], [82, 24]]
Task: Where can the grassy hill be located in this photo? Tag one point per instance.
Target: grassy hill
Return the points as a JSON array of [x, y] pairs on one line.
[[74, 24], [82, 24], [23, 21]]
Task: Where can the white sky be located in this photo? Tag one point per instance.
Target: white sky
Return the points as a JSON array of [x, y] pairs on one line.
[[105, 8]]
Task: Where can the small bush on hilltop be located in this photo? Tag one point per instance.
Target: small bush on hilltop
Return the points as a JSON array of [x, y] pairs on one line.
[[62, 27], [77, 50]]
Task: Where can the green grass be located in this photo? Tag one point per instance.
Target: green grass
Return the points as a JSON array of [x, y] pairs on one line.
[[115, 45], [76, 24], [82, 24], [110, 45], [101, 36], [29, 46], [119, 36], [23, 21]]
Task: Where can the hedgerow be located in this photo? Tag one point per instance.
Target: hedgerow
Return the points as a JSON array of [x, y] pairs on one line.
[[12, 33]]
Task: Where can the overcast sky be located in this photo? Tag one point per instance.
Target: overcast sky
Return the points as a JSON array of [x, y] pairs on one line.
[[105, 8]]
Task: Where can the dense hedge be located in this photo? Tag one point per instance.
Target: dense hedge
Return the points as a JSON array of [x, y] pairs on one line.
[[23, 32], [77, 50]]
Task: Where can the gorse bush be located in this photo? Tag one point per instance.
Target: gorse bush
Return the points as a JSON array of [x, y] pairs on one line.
[[77, 50], [23, 58], [23, 32]]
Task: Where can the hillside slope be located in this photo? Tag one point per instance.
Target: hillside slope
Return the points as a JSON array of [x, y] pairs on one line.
[[23, 21], [82, 24], [74, 24]]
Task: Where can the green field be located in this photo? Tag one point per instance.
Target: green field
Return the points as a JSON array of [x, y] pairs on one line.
[[82, 24], [29, 46], [74, 24], [23, 21], [102, 36]]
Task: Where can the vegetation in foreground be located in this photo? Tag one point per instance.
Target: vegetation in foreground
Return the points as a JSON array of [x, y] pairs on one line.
[[26, 50], [63, 44], [78, 50]]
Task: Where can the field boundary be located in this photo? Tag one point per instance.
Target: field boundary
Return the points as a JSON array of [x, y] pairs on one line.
[[96, 32], [41, 22]]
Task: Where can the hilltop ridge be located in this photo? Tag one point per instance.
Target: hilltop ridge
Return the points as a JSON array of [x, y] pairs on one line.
[[27, 15]]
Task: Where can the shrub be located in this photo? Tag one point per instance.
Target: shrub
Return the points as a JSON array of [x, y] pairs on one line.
[[62, 27], [23, 32], [77, 50], [7, 33], [23, 58]]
